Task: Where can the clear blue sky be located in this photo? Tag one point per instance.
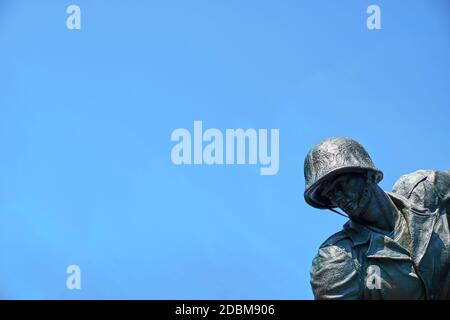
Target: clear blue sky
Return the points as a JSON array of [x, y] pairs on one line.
[[86, 117]]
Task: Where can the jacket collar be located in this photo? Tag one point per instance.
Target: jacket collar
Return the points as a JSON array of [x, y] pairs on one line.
[[357, 232], [420, 223], [379, 245]]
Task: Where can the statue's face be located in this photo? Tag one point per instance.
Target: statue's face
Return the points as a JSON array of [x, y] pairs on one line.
[[349, 192]]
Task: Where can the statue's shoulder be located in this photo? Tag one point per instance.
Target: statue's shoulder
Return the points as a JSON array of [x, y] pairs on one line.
[[340, 239], [334, 271], [406, 205], [425, 188], [336, 250], [347, 240]]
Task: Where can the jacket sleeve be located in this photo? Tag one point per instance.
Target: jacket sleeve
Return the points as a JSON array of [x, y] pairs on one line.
[[334, 275]]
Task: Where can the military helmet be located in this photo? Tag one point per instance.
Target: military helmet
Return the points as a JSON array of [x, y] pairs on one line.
[[330, 158]]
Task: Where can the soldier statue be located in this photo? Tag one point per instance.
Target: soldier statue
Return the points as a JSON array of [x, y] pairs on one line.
[[395, 245]]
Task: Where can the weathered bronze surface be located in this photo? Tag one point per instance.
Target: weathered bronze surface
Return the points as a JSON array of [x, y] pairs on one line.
[[396, 245]]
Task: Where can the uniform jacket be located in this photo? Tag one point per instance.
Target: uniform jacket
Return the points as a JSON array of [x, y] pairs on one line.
[[358, 263]]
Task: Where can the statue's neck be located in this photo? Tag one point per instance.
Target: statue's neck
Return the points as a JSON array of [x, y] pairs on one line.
[[380, 213]]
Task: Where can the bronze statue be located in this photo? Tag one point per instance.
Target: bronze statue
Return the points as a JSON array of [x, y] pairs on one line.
[[396, 245], [426, 188]]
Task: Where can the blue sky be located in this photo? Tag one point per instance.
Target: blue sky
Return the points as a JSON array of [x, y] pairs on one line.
[[86, 117]]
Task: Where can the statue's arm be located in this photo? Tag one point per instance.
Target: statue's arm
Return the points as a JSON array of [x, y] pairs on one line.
[[334, 275]]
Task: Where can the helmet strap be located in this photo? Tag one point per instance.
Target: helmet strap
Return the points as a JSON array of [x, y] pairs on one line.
[[339, 213]]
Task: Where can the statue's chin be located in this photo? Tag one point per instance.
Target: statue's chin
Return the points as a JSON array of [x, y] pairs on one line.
[[354, 211]]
